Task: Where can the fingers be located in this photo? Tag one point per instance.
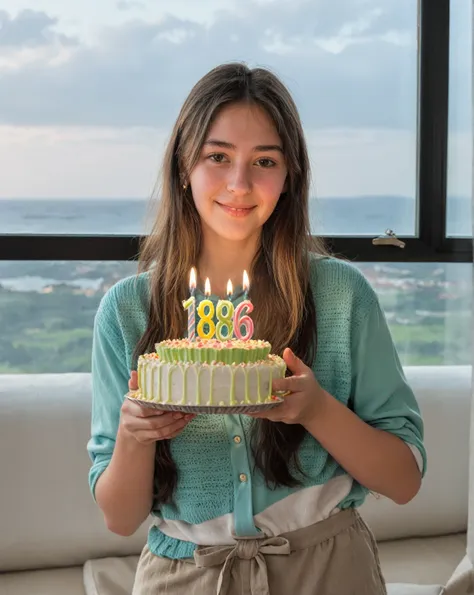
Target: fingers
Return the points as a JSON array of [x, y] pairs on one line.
[[170, 430], [139, 410], [293, 384], [271, 415], [160, 426], [293, 362], [165, 433], [133, 381], [148, 424]]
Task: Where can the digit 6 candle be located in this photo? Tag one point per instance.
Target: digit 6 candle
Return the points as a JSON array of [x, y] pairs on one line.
[[241, 317]]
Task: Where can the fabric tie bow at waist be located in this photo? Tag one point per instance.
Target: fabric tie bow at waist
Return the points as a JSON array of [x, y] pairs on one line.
[[245, 549]]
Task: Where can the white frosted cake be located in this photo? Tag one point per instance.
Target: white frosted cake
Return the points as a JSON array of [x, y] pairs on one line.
[[209, 372]]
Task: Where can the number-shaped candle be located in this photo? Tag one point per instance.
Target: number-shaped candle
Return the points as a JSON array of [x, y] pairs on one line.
[[241, 313], [225, 320], [190, 306], [241, 318], [206, 317]]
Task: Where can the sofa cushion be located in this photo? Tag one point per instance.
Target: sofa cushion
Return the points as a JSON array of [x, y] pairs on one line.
[[52, 520], [444, 396], [462, 580], [428, 560], [56, 581], [110, 576], [406, 589]]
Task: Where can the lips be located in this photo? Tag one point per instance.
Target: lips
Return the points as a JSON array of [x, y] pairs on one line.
[[236, 211]]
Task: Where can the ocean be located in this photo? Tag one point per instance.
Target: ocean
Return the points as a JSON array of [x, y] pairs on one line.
[[360, 215]]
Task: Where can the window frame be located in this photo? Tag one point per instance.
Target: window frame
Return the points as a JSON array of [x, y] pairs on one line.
[[431, 244]]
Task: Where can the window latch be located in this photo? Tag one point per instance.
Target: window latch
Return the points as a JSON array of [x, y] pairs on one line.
[[389, 239]]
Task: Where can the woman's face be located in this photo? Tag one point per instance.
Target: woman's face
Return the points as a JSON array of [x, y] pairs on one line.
[[240, 173]]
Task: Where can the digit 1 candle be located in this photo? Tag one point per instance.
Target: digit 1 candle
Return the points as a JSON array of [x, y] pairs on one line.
[[225, 320], [190, 306], [241, 313], [206, 318]]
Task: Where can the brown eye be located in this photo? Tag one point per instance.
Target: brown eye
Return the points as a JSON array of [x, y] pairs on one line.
[[217, 157], [266, 163]]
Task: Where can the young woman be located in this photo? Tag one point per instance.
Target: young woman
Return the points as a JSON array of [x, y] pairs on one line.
[[262, 504]]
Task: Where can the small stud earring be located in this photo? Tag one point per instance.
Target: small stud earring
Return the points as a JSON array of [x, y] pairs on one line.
[[185, 186]]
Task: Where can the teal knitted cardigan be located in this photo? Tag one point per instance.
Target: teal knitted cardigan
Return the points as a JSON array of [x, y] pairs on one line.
[[356, 362]]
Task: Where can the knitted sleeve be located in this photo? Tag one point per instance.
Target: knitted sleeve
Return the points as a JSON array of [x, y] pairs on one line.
[[110, 377], [380, 393]]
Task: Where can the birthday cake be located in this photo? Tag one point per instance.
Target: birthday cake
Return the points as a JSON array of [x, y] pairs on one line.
[[209, 372]]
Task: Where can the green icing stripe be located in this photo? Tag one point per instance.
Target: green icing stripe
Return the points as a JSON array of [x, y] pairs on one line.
[[198, 391], [185, 384], [211, 385], [270, 384], [170, 375], [159, 383], [232, 386], [208, 355], [247, 397], [259, 394]]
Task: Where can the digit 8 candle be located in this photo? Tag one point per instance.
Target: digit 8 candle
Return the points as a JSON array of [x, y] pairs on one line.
[[206, 318], [225, 321]]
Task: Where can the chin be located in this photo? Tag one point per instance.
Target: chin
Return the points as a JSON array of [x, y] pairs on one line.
[[238, 231], [235, 236]]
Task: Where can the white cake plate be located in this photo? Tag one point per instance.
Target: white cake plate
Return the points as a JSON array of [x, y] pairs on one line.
[[231, 409]]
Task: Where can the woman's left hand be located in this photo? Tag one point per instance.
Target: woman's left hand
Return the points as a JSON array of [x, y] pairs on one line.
[[306, 398]]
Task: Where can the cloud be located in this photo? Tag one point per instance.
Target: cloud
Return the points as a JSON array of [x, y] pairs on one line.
[[351, 65], [30, 28], [129, 4]]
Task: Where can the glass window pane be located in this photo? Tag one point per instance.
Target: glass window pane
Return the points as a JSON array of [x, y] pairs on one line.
[[428, 308], [88, 97], [459, 207], [47, 311]]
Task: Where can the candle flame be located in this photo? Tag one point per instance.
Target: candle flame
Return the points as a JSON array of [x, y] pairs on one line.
[[192, 279], [230, 289], [246, 283], [207, 287]]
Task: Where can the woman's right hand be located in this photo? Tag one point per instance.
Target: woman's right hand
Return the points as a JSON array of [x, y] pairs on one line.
[[149, 425]]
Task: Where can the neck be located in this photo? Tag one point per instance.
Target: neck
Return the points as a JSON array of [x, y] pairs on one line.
[[221, 260]]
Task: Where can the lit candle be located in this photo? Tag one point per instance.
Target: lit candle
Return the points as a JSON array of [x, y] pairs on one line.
[[190, 306], [241, 318], [206, 318], [246, 284], [225, 320]]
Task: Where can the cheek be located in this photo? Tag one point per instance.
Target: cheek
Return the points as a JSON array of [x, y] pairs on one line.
[[271, 189], [204, 181]]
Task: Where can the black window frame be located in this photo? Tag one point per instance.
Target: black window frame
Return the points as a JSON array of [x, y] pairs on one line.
[[431, 244]]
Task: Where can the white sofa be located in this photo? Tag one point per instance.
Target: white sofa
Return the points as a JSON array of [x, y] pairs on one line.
[[50, 526]]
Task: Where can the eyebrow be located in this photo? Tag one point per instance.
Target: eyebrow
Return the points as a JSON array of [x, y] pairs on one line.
[[258, 149]]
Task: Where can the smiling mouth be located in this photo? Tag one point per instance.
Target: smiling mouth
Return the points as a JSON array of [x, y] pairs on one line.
[[237, 211]]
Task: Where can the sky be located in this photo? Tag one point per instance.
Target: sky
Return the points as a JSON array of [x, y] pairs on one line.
[[89, 91]]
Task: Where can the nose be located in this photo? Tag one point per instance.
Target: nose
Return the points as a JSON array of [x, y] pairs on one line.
[[239, 181]]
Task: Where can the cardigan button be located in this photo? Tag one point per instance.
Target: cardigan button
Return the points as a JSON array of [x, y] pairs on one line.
[[237, 439], [243, 477]]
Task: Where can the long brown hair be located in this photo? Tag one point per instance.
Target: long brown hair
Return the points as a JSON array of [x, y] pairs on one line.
[[280, 269]]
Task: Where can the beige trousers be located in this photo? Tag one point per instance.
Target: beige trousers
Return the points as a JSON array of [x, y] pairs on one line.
[[337, 556]]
